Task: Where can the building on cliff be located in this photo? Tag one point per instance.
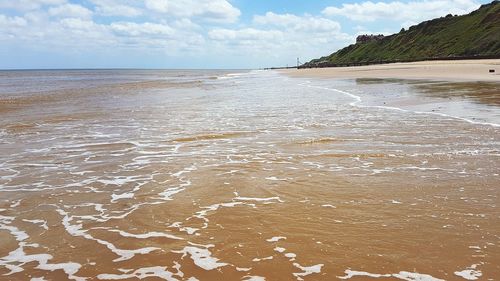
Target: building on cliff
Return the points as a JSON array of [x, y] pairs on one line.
[[368, 38]]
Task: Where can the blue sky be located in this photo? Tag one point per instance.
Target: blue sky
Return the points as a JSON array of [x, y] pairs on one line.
[[197, 33]]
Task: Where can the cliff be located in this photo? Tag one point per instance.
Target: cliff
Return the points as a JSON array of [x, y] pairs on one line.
[[475, 35]]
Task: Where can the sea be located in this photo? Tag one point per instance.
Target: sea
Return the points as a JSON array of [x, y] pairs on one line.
[[246, 175]]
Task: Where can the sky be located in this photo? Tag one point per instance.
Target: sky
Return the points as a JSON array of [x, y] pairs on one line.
[[197, 34]]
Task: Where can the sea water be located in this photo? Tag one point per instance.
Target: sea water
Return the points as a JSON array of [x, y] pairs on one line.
[[246, 175]]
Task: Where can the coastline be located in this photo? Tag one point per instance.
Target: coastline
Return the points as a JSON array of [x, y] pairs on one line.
[[462, 70]]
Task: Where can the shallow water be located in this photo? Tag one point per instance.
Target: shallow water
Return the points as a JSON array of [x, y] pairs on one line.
[[216, 175]]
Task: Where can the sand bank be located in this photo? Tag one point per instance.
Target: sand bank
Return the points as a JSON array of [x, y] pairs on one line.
[[463, 70]]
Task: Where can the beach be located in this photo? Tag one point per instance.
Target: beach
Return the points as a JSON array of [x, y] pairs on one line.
[[316, 174], [452, 70]]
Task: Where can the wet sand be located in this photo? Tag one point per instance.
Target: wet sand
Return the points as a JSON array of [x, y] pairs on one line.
[[460, 70], [251, 176]]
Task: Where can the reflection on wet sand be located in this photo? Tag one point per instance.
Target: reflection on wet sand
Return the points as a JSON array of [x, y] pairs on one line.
[[250, 177], [482, 92], [487, 93]]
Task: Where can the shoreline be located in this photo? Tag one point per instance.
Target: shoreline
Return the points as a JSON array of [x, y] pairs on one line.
[[462, 70]]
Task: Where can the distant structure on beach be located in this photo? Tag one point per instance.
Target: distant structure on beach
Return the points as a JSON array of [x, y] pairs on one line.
[[368, 38]]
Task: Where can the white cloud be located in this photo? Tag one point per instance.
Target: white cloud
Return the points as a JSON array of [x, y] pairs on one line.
[[10, 22], [136, 29], [41, 31], [161, 6], [212, 10], [71, 24], [297, 23], [280, 37], [27, 5], [117, 8], [11, 26], [413, 11], [185, 24], [246, 34], [203, 28], [302, 31], [70, 11]]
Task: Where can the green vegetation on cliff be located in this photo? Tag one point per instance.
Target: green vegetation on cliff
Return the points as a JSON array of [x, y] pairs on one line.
[[473, 35]]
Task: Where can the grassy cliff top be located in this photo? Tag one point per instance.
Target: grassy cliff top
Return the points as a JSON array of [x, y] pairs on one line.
[[471, 35]]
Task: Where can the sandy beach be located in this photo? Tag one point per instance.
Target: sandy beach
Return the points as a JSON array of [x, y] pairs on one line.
[[463, 70]]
